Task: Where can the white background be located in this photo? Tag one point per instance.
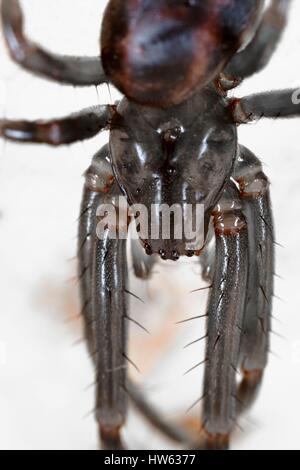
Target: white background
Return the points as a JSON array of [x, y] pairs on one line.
[[44, 370]]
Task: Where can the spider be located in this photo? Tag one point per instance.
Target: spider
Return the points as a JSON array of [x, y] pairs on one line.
[[173, 140]]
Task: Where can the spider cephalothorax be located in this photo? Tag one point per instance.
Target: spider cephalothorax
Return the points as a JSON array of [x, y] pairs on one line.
[[173, 141], [182, 156]]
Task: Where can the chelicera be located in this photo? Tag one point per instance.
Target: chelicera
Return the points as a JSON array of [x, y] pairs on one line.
[[173, 140]]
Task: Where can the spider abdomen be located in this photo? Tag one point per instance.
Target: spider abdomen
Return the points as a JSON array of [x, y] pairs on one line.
[[158, 53]]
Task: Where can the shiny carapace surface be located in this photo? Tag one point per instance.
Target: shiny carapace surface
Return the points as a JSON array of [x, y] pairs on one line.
[[179, 156], [158, 52]]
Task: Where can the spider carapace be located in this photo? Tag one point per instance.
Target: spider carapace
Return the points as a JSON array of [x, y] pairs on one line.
[[173, 141]]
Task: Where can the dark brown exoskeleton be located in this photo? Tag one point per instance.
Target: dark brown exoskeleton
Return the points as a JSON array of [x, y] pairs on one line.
[[173, 141]]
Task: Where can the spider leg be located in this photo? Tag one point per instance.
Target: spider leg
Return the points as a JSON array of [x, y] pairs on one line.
[[103, 278], [81, 71], [172, 431], [254, 189], [78, 126], [109, 283], [98, 180], [225, 315], [258, 53], [273, 104]]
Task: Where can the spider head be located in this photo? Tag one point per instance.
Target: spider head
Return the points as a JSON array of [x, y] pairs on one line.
[[159, 52]]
